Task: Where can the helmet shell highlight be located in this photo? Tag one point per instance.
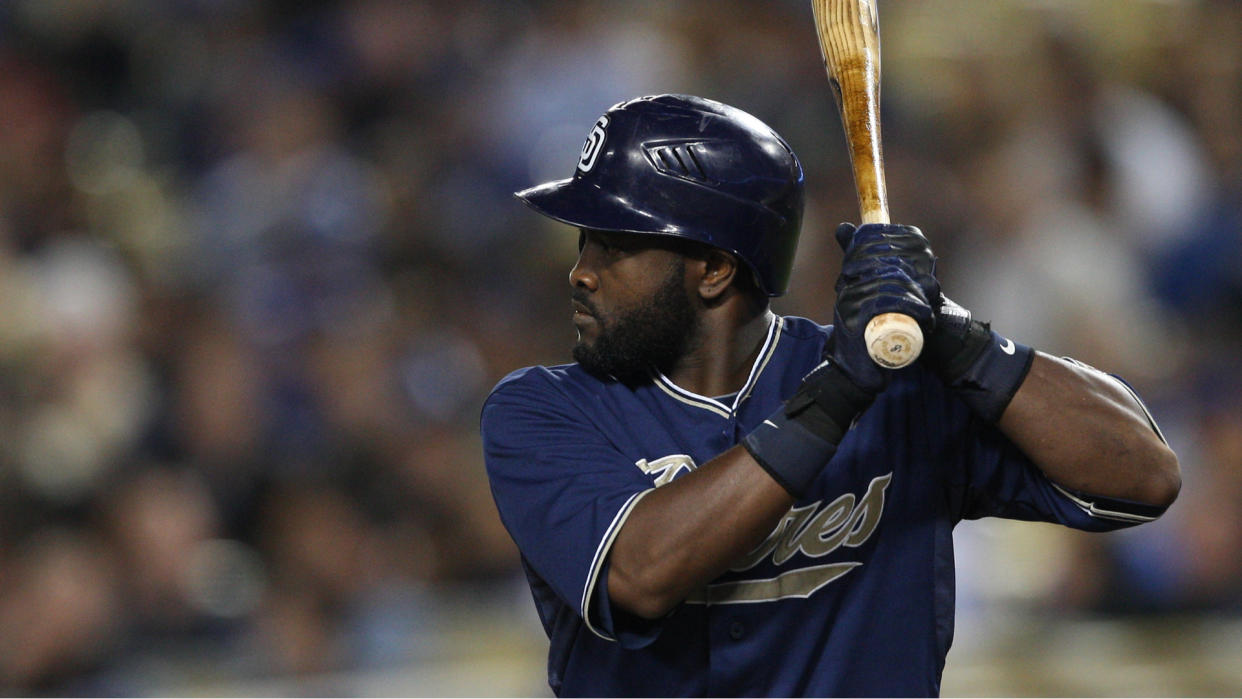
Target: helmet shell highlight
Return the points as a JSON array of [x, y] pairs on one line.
[[687, 167]]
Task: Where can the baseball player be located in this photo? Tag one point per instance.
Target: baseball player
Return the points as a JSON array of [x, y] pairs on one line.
[[717, 500]]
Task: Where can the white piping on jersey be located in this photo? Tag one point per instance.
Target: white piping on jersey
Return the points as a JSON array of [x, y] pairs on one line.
[[1151, 420], [761, 362], [1086, 505], [1091, 509], [601, 554]]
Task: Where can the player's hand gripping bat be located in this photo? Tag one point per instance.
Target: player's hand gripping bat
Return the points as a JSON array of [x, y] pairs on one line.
[[849, 38]]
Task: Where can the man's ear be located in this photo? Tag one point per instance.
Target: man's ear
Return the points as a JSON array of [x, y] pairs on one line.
[[719, 269]]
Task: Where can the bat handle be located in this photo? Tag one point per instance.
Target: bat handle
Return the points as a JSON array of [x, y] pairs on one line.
[[893, 339]]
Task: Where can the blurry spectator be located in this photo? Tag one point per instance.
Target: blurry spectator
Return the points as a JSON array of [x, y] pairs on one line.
[[60, 611]]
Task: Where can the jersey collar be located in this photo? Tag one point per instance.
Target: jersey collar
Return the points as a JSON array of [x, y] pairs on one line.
[[714, 405]]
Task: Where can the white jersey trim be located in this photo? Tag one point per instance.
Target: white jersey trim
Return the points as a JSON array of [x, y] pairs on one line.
[[1151, 419], [761, 362], [766, 353], [1086, 505], [1095, 511], [601, 554]]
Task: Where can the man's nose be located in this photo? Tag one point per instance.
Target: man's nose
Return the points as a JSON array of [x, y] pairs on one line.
[[582, 275]]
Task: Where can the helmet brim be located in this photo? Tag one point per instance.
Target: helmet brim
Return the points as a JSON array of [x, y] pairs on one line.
[[584, 206]]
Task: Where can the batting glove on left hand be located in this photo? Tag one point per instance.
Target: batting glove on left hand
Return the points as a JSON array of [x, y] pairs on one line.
[[877, 276]]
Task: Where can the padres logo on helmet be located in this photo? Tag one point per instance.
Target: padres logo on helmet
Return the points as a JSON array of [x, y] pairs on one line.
[[594, 144]]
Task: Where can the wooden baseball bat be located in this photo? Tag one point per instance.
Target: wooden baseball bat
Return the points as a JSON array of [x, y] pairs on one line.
[[849, 39]]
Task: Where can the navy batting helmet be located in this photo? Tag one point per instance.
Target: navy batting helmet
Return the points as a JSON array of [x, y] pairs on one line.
[[691, 168]]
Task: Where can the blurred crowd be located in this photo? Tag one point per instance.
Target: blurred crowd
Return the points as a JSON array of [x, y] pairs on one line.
[[260, 265]]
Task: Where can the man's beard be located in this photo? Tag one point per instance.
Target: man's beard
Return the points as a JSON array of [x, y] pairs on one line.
[[653, 335]]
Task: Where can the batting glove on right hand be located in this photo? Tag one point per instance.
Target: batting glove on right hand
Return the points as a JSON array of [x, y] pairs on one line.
[[887, 269]]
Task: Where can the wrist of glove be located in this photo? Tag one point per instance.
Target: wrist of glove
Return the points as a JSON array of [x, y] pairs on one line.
[[795, 443], [979, 365]]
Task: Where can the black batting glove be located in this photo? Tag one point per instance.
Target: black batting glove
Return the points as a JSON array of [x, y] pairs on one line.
[[982, 367], [887, 268], [796, 442], [897, 242]]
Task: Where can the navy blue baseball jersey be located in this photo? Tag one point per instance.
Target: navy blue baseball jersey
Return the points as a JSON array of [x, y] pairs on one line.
[[851, 594]]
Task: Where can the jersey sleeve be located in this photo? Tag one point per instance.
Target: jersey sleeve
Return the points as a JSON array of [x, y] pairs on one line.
[[993, 478], [562, 489]]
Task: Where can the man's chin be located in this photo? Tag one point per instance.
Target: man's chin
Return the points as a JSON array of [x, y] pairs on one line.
[[629, 373], [653, 335], [583, 352], [586, 357]]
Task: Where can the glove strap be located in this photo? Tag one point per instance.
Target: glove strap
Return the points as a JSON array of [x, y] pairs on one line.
[[982, 367], [795, 443]]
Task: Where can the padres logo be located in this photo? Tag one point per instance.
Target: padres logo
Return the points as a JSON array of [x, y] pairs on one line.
[[594, 144], [815, 530]]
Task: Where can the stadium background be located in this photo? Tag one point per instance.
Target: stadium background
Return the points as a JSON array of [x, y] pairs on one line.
[[260, 265]]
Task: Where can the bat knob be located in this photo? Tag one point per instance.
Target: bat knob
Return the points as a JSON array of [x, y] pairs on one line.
[[893, 340]]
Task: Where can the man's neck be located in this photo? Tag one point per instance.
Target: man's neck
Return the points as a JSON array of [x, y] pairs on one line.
[[726, 351]]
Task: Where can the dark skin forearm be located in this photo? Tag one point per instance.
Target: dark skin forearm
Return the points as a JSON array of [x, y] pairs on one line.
[[725, 508], [1086, 432]]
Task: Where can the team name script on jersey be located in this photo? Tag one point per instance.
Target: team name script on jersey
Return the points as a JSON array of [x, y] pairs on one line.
[[815, 530]]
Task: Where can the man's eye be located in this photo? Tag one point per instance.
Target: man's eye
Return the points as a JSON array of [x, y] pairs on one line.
[[607, 245]]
